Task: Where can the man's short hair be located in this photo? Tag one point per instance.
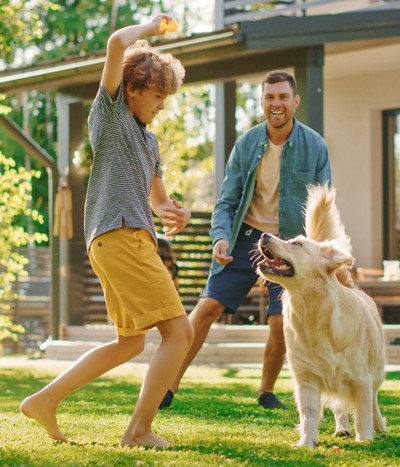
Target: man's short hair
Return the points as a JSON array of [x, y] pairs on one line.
[[278, 76]]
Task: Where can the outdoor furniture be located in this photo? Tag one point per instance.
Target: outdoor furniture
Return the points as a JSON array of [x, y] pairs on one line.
[[385, 293]]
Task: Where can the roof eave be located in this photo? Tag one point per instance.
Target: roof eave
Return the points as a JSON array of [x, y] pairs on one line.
[[58, 74]]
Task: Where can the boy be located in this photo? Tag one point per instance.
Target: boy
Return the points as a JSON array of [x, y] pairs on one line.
[[120, 234]]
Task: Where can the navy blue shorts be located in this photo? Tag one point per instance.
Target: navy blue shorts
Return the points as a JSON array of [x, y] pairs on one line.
[[232, 285]]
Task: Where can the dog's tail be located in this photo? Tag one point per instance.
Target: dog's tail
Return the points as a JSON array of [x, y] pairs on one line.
[[322, 218], [322, 222]]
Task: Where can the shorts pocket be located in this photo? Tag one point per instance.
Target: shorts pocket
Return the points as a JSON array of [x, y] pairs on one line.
[[146, 239], [141, 240]]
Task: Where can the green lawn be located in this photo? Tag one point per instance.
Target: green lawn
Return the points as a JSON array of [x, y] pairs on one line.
[[214, 421]]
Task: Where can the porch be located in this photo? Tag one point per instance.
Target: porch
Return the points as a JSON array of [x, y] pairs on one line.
[[238, 340]]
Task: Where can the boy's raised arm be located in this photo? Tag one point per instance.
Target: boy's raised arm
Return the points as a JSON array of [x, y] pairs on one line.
[[118, 42]]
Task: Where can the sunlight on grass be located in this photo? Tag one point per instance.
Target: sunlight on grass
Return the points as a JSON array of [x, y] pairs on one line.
[[214, 421]]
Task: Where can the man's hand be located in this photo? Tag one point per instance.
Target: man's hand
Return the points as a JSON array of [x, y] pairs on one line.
[[176, 217], [219, 252]]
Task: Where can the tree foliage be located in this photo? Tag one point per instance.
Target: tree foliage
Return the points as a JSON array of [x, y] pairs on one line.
[[21, 24], [36, 113], [15, 197], [18, 25], [77, 27], [185, 130]]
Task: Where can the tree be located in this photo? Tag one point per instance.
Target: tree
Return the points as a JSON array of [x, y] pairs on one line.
[[20, 25], [15, 196], [186, 134], [17, 27]]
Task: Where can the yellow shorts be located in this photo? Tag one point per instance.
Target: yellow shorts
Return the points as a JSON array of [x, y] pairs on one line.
[[137, 287]]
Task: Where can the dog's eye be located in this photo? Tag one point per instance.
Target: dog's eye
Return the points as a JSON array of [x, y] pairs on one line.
[[297, 244]]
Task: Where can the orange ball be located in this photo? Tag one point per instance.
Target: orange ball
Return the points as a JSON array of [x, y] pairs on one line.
[[170, 26]]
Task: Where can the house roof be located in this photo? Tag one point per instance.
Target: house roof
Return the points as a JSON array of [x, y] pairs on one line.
[[75, 74], [243, 49]]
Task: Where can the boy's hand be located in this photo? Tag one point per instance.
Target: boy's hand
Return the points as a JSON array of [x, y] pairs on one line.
[[219, 252], [158, 27], [176, 217]]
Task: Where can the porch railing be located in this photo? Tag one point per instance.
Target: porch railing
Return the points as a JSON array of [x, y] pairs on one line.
[[228, 12]]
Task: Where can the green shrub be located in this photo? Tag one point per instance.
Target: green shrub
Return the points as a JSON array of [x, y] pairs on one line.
[[15, 198]]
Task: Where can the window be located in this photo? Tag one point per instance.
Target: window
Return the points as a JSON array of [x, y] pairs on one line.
[[391, 183]]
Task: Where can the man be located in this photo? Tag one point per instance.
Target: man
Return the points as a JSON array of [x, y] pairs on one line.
[[264, 190]]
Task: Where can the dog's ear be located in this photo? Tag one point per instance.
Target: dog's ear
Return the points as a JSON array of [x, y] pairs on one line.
[[334, 256]]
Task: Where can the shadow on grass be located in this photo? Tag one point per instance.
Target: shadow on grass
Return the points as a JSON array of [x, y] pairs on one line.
[[234, 400], [235, 373]]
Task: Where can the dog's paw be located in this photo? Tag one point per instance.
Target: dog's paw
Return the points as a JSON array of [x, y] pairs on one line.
[[342, 433], [362, 437], [305, 442]]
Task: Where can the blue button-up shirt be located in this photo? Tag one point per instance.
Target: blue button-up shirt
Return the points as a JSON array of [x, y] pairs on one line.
[[304, 161]]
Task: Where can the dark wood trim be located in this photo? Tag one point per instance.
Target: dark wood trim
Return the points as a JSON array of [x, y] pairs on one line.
[[287, 31]]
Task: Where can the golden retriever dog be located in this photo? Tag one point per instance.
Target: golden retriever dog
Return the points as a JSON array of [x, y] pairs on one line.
[[334, 336]]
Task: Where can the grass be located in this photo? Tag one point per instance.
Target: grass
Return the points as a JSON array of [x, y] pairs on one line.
[[214, 421]]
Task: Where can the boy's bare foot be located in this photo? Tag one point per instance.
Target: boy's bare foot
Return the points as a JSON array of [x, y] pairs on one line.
[[146, 439], [34, 407]]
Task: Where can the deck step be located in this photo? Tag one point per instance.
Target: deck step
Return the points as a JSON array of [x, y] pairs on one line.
[[218, 333], [217, 353], [225, 344]]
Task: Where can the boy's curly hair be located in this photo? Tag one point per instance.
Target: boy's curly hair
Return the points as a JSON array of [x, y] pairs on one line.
[[146, 67]]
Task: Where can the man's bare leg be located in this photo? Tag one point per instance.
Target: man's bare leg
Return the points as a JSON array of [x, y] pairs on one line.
[[42, 406], [274, 357]]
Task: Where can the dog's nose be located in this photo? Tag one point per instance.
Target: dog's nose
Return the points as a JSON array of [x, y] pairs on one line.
[[264, 239]]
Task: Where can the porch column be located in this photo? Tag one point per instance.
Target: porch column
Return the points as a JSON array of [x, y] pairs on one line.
[[309, 77], [70, 136], [225, 133]]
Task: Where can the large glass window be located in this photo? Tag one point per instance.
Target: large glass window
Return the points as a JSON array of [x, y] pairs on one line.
[[391, 147]]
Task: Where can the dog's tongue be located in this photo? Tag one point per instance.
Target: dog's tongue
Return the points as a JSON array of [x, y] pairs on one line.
[[275, 262], [278, 264]]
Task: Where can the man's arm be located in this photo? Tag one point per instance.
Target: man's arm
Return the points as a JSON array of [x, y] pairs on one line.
[[324, 172], [229, 199]]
